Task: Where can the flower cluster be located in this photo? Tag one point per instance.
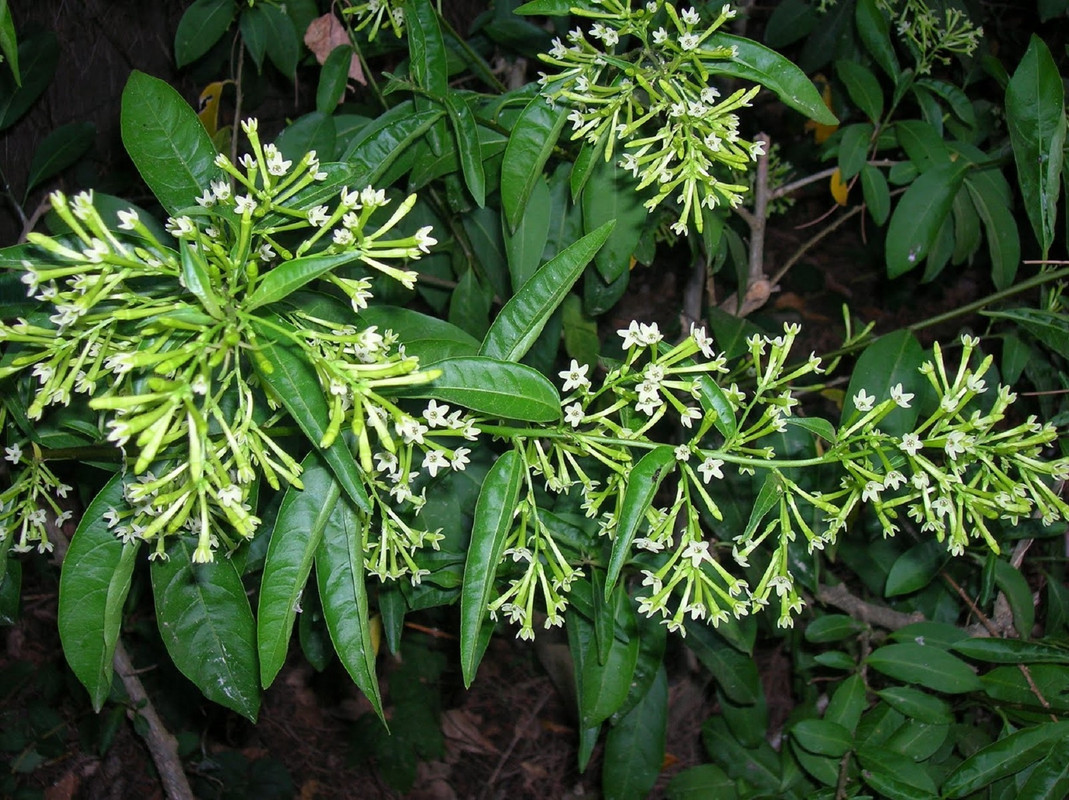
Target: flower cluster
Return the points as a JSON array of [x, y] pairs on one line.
[[166, 339], [29, 505], [376, 14], [657, 101]]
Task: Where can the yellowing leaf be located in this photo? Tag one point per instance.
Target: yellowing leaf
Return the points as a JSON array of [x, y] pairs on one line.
[[208, 106], [822, 132], [839, 190]]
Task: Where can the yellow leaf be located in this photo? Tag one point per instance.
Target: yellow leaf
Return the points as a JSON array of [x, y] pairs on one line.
[[208, 106], [822, 132], [839, 190], [376, 633]]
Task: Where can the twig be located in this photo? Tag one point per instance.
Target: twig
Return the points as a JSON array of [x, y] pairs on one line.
[[881, 616], [515, 739], [162, 744], [758, 288]]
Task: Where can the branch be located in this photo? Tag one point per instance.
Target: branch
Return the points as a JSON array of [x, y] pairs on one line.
[[880, 616]]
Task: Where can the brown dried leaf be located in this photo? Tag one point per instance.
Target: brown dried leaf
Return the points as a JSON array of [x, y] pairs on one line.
[[323, 35], [462, 730]]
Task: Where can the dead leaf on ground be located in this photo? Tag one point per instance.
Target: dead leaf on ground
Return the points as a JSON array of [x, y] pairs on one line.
[[323, 35], [462, 730]]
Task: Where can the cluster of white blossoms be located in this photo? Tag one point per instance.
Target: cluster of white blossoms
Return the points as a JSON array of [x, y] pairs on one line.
[[656, 101], [29, 505], [166, 339], [376, 14]]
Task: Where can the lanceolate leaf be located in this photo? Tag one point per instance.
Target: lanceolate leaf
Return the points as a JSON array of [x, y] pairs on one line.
[[292, 275], [1011, 651], [1035, 112], [493, 520], [467, 138], [295, 538], [610, 195], [642, 484], [61, 148], [519, 323], [92, 590], [207, 626], [530, 143], [201, 26], [1003, 241], [634, 747], [755, 62], [294, 381], [166, 141], [919, 215], [875, 31], [195, 277], [1051, 328], [427, 338], [927, 666], [496, 388], [379, 143], [340, 574], [890, 360], [863, 88], [1006, 756]]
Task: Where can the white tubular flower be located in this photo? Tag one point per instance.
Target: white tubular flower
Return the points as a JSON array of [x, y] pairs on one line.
[[317, 216], [863, 401], [682, 453], [710, 468], [902, 398], [435, 460], [573, 415], [13, 453], [424, 240], [436, 416], [911, 444], [460, 459], [575, 376]]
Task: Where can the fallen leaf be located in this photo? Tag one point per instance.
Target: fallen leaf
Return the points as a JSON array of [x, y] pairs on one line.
[[463, 731], [323, 35]]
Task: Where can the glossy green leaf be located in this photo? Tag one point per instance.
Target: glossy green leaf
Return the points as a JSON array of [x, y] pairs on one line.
[[294, 381], [854, 148], [92, 591], [890, 360], [919, 215], [848, 703], [312, 131], [609, 195], [918, 705], [862, 87], [1035, 113], [428, 63], [207, 626], [524, 246], [822, 737], [427, 338], [876, 193], [1003, 240], [554, 8], [333, 78], [634, 747], [1050, 777], [201, 26], [590, 155], [874, 29], [282, 43], [755, 62], [523, 317], [701, 783], [496, 388], [1051, 328], [469, 305], [915, 568], [166, 141], [339, 563], [379, 143], [467, 139], [1011, 651], [483, 227], [1009, 685], [38, 56], [922, 143], [1006, 756], [9, 46], [957, 101], [533, 138], [254, 33], [196, 280], [767, 499], [642, 484], [966, 227], [790, 21], [714, 401], [759, 766], [925, 666], [1019, 596], [894, 776], [57, 151], [291, 275], [295, 538], [832, 628], [818, 426], [603, 687], [493, 521], [735, 672]]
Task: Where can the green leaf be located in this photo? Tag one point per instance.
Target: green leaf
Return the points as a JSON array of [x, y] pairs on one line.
[[1003, 240], [380, 142], [832, 628], [524, 245], [289, 276], [915, 568], [295, 538], [519, 323], [202, 25], [922, 143], [254, 33], [1035, 113], [701, 783], [428, 62], [1009, 685], [822, 737], [493, 521], [603, 687], [590, 155], [714, 401], [755, 62], [196, 280], [848, 703], [1006, 756], [339, 562], [9, 46], [790, 21], [38, 56], [61, 148], [894, 776], [759, 766], [926, 666], [533, 137], [890, 360], [862, 87], [496, 388], [166, 142], [333, 78], [469, 305], [312, 131], [467, 140], [919, 215], [767, 498], [634, 747], [427, 338], [1011, 651], [915, 704], [875, 31], [854, 148], [735, 673], [642, 483], [285, 369], [1050, 777], [818, 426], [283, 44], [93, 586], [609, 196], [207, 626], [1019, 595], [1051, 328]]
